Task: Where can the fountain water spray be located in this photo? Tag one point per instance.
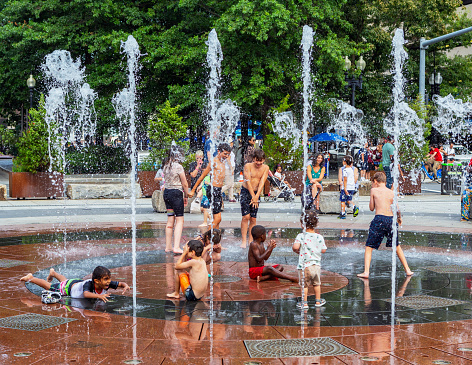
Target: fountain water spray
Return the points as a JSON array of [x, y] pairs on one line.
[[451, 115], [125, 105], [403, 123], [69, 107], [346, 121], [307, 46]]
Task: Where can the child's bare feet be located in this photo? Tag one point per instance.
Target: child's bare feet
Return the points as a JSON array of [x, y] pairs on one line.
[[263, 278], [409, 273], [174, 295], [51, 275], [364, 275], [242, 245], [27, 277], [203, 225]]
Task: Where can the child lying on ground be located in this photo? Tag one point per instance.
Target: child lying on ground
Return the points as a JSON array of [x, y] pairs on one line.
[[96, 287]]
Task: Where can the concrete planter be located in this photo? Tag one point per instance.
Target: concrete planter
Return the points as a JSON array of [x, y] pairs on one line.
[[39, 185]]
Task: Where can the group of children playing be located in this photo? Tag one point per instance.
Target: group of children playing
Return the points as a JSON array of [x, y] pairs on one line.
[[191, 274]]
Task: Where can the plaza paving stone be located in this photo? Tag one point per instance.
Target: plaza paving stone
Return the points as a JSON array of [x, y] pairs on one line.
[[357, 314]]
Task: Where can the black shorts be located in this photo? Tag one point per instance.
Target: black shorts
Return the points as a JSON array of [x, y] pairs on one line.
[[216, 199], [245, 201], [174, 200], [380, 227]]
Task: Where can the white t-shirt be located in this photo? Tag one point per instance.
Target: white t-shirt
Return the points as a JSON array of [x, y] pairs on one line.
[[278, 175], [450, 152], [311, 245], [77, 290], [350, 183]]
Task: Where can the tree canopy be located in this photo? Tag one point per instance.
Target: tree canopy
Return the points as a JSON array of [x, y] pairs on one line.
[[260, 42]]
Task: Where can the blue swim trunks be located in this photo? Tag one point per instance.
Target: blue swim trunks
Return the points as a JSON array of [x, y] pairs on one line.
[[380, 227], [346, 198]]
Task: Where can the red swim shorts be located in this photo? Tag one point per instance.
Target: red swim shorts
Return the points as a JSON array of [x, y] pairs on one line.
[[254, 272]]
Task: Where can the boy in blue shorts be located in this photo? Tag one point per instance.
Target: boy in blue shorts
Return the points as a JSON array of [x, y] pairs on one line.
[[381, 200], [95, 288], [347, 186]]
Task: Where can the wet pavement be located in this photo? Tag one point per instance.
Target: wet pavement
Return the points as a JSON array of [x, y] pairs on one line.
[[251, 322]]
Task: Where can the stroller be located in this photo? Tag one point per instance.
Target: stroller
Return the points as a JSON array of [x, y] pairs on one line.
[[278, 189]]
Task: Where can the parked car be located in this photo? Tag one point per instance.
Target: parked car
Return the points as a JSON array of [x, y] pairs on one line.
[[463, 155], [337, 154]]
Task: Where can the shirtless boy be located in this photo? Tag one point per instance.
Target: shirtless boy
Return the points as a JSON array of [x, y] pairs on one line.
[[193, 283], [258, 254], [381, 200], [218, 179], [255, 176]]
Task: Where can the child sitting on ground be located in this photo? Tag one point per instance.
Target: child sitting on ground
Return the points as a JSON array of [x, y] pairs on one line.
[[310, 246], [193, 283], [258, 254], [96, 287]]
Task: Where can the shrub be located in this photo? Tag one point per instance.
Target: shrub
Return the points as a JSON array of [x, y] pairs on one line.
[[8, 141], [98, 160]]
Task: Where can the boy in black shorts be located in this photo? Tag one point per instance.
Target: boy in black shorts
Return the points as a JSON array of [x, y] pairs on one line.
[[381, 200], [255, 176], [218, 179]]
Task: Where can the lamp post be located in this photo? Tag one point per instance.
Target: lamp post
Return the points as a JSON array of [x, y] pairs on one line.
[[31, 83], [435, 81], [353, 82]]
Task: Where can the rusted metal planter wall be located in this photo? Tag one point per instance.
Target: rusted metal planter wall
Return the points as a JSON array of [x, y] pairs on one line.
[[39, 185], [294, 178], [147, 183], [406, 185]]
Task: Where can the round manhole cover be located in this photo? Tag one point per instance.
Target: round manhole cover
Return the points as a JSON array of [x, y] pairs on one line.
[[225, 278]]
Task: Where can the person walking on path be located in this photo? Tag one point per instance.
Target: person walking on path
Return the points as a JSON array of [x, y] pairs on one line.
[[229, 175], [249, 155], [387, 158], [175, 198]]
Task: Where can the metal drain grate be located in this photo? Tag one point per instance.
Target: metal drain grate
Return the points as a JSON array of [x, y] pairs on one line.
[[425, 302], [10, 263], [32, 322], [322, 346], [449, 269], [225, 278]]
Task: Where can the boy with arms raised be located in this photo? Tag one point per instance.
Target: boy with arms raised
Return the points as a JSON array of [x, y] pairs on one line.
[[381, 200], [214, 193], [258, 254], [309, 246], [193, 283], [255, 176]]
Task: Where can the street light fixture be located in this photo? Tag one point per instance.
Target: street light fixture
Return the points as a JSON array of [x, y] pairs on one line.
[[435, 81], [353, 82], [31, 83]]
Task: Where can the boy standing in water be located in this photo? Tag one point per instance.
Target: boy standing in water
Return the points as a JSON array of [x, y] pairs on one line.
[[193, 283], [258, 254], [381, 200], [255, 176], [214, 193]]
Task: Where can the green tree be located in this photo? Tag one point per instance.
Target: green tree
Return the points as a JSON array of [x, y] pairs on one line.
[[34, 154], [165, 127]]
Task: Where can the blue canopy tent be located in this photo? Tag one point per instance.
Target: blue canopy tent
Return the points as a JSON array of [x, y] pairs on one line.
[[327, 137]]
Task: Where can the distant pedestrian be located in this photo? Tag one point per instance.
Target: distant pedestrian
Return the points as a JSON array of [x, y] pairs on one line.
[[249, 155], [387, 158], [347, 186]]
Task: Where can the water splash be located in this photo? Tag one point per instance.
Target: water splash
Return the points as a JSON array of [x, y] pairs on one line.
[[347, 122], [285, 127], [451, 115], [125, 103]]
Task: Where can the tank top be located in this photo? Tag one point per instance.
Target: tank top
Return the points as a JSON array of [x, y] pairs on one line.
[[314, 175]]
